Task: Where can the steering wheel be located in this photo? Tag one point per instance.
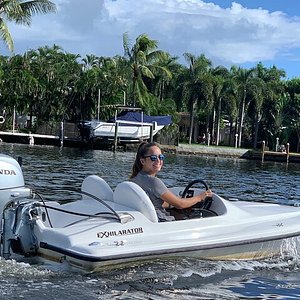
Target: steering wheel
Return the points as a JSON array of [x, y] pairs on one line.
[[191, 184], [203, 206]]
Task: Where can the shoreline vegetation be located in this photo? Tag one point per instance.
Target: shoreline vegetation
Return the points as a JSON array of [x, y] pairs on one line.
[[221, 104], [48, 85]]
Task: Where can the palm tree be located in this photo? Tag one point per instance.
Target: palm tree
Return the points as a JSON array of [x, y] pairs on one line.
[[258, 94], [20, 12], [267, 87], [164, 70], [295, 119], [293, 110], [197, 86], [221, 85], [143, 57], [90, 61], [243, 79]]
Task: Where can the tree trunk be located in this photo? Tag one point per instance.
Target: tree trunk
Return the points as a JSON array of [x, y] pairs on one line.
[[257, 121], [231, 130], [218, 121], [191, 122], [213, 134], [241, 119]]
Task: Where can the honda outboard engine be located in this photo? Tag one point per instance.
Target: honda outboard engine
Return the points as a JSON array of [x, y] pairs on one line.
[[11, 182], [15, 204]]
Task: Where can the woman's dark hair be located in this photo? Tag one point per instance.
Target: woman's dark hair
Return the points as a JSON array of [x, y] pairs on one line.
[[141, 152]]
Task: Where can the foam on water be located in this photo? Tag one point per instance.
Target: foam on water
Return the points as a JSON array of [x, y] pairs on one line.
[[19, 269]]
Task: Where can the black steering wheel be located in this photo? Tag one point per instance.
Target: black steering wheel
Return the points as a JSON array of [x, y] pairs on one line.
[[190, 184], [203, 207]]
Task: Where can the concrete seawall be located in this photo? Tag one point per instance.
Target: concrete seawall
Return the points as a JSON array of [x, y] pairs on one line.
[[213, 151], [195, 149]]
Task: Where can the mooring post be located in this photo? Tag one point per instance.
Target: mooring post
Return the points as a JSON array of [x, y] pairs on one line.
[[287, 152], [116, 136], [236, 140], [152, 128], [61, 133], [31, 139], [263, 150]]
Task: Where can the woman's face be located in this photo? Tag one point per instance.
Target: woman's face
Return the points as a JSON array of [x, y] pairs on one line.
[[153, 161]]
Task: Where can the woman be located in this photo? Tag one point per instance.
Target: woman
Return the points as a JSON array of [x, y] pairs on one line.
[[148, 162]]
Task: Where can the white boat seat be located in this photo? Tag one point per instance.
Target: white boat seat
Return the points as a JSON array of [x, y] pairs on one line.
[[130, 194], [97, 187]]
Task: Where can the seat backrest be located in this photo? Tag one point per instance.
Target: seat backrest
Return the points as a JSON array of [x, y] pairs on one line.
[[97, 187], [130, 194]]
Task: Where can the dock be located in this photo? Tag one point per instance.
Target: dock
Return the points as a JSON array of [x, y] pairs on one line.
[[183, 149], [29, 138], [281, 156], [275, 156], [40, 139]]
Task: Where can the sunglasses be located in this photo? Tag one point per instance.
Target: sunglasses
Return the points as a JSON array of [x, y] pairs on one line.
[[155, 157]]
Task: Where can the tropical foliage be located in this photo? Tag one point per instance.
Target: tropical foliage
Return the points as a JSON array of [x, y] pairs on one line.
[[251, 104], [20, 12]]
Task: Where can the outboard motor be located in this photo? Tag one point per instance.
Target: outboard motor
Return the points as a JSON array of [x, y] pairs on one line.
[[12, 194], [11, 182]]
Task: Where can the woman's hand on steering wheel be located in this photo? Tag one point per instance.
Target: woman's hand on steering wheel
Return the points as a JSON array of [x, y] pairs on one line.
[[206, 194]]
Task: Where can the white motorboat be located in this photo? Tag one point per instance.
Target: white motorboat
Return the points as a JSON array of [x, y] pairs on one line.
[[106, 227], [129, 125], [126, 130]]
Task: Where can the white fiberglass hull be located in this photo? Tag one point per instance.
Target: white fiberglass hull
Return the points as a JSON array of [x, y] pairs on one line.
[[130, 131], [239, 252], [90, 244]]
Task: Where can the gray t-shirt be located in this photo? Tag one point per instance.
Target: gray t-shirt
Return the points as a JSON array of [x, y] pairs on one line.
[[154, 188]]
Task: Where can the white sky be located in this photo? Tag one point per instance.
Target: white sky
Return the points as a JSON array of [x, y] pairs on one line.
[[230, 35]]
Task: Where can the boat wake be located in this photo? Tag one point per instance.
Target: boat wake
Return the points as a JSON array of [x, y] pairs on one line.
[[190, 277], [13, 268], [167, 279]]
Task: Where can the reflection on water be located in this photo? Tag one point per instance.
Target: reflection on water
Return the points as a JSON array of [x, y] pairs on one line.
[[51, 168]]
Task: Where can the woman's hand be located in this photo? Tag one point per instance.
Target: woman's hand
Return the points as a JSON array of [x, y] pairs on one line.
[[205, 194], [180, 203]]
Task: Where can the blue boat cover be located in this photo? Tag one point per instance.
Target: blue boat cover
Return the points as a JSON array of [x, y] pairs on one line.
[[137, 117]]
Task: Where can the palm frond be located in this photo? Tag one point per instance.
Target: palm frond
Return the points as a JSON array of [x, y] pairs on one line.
[[5, 35]]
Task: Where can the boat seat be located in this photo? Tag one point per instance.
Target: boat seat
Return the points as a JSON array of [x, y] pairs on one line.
[[97, 187], [130, 194]]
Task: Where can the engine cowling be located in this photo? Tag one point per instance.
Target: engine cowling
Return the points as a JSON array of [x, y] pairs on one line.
[[11, 175], [12, 186]]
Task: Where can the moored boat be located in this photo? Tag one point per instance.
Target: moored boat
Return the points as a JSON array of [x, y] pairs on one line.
[[129, 125]]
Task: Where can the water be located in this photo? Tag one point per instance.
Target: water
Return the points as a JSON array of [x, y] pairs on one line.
[[51, 168]]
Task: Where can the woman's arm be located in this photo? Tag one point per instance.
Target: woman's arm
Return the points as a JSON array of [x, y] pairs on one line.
[[181, 203]]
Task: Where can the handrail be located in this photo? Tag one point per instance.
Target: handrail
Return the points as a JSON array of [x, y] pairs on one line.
[[89, 195]]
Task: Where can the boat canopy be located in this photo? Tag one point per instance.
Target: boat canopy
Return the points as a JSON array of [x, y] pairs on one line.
[[140, 117]]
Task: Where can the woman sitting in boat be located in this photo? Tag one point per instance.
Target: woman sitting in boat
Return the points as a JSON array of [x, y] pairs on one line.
[[148, 162]]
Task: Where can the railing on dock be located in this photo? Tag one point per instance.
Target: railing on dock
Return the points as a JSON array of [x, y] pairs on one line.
[[282, 154]]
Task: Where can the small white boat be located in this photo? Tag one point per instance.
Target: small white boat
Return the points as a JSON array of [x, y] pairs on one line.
[[106, 227], [126, 130], [129, 126]]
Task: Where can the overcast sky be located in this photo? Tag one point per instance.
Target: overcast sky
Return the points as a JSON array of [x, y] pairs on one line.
[[244, 32]]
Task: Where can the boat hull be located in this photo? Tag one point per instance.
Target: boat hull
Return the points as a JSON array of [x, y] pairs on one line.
[[253, 251], [130, 131]]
